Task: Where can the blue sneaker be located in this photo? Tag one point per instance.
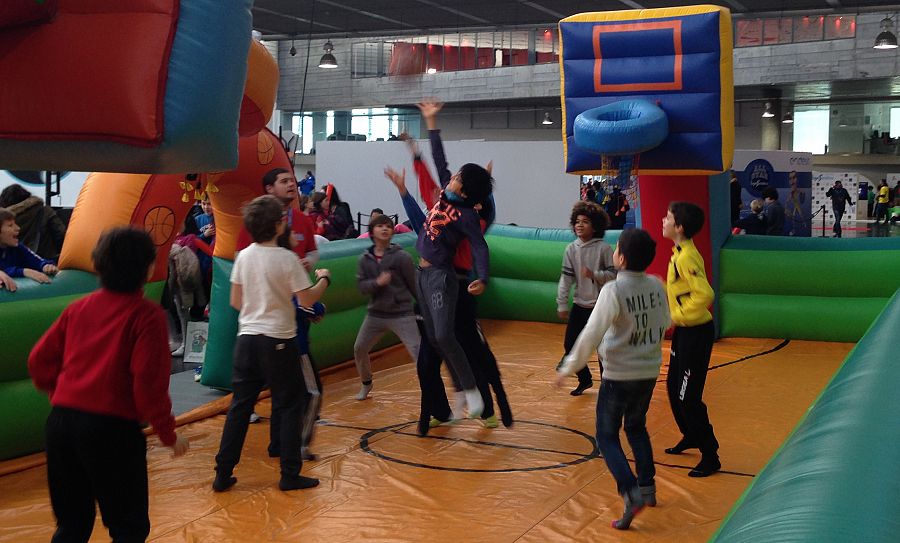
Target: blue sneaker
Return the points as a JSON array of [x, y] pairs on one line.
[[198, 371]]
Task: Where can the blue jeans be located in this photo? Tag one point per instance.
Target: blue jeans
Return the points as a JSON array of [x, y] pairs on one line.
[[628, 400]]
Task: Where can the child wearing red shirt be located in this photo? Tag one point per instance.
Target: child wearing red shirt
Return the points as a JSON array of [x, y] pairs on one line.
[[105, 365]]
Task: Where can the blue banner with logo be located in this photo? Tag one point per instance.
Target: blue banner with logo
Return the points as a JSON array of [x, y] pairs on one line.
[[789, 173]]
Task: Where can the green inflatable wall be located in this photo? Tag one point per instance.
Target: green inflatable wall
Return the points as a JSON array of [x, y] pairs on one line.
[[821, 289], [24, 317], [525, 265], [835, 478]]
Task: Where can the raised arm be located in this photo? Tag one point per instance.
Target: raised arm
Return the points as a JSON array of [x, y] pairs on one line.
[[429, 113]]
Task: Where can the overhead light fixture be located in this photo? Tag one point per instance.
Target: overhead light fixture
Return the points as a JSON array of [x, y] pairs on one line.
[[547, 119], [432, 70], [328, 60], [293, 50], [886, 39], [788, 118], [768, 113]]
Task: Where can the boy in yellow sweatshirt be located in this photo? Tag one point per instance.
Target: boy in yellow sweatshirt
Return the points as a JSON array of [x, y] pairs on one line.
[[690, 296]]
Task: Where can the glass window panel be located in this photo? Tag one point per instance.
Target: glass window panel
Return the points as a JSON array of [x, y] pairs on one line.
[[484, 55], [545, 46], [895, 122], [467, 51], [777, 31], [359, 123], [307, 138], [380, 127], [518, 48], [748, 33], [811, 130], [840, 26], [329, 122], [808, 28]]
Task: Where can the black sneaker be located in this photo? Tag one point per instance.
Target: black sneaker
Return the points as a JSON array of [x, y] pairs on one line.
[[223, 482], [297, 483], [579, 390], [682, 446], [706, 467]]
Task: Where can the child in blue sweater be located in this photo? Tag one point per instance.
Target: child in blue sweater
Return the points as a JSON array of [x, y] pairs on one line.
[[17, 260]]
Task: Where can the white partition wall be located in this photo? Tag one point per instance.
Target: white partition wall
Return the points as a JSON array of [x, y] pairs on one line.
[[531, 188]]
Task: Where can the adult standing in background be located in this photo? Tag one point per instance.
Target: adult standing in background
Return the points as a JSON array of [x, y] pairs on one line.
[[308, 184], [881, 201], [774, 213], [42, 230], [616, 207], [839, 199]]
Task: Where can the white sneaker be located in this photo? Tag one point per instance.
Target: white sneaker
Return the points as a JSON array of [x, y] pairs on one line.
[[476, 404], [364, 391], [459, 405], [179, 351]]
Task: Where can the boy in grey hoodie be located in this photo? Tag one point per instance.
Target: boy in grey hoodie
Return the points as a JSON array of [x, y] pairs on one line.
[[587, 263], [386, 273], [627, 325]]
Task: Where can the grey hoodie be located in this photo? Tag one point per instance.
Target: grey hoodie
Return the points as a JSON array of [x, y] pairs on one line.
[[396, 298]]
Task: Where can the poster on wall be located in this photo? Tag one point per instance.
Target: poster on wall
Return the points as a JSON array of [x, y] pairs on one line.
[[788, 172]]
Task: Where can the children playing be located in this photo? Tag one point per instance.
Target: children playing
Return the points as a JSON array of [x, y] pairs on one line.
[[385, 273], [689, 296], [264, 280], [105, 364], [451, 220], [628, 323], [17, 260], [588, 264]]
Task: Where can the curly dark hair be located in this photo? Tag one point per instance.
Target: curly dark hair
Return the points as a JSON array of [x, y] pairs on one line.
[[599, 218]]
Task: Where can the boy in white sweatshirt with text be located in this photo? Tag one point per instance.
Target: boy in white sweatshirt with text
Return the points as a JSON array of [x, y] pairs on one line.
[[627, 324]]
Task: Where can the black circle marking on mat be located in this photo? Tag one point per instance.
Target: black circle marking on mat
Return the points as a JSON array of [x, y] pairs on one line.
[[784, 343], [364, 445]]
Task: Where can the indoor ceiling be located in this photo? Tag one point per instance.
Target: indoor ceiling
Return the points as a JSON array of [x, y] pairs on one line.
[[280, 19]]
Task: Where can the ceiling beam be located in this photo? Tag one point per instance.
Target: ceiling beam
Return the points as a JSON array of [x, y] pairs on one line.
[[296, 19], [834, 3], [736, 5], [460, 13], [366, 13], [542, 9]]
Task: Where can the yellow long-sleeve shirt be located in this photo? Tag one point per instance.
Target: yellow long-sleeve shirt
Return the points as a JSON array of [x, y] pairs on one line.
[[687, 288]]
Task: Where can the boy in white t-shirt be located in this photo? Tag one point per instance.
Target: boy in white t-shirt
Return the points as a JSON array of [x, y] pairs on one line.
[[264, 279]]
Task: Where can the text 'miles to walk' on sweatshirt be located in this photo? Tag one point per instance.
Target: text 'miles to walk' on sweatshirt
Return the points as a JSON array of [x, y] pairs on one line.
[[628, 323]]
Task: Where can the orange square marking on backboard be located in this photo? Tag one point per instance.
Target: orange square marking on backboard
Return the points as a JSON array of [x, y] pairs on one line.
[[675, 26]]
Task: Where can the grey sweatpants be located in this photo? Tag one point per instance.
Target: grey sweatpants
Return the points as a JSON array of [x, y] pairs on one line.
[[438, 290], [372, 329]]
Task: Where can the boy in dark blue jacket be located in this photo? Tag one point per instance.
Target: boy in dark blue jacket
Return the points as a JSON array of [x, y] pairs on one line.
[[17, 260]]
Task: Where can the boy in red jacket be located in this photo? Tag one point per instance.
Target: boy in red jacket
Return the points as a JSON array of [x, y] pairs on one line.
[[105, 364]]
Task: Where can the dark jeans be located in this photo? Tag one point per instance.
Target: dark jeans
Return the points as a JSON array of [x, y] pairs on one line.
[[259, 360], [95, 457], [628, 401], [578, 318], [688, 365], [438, 291], [838, 215]]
